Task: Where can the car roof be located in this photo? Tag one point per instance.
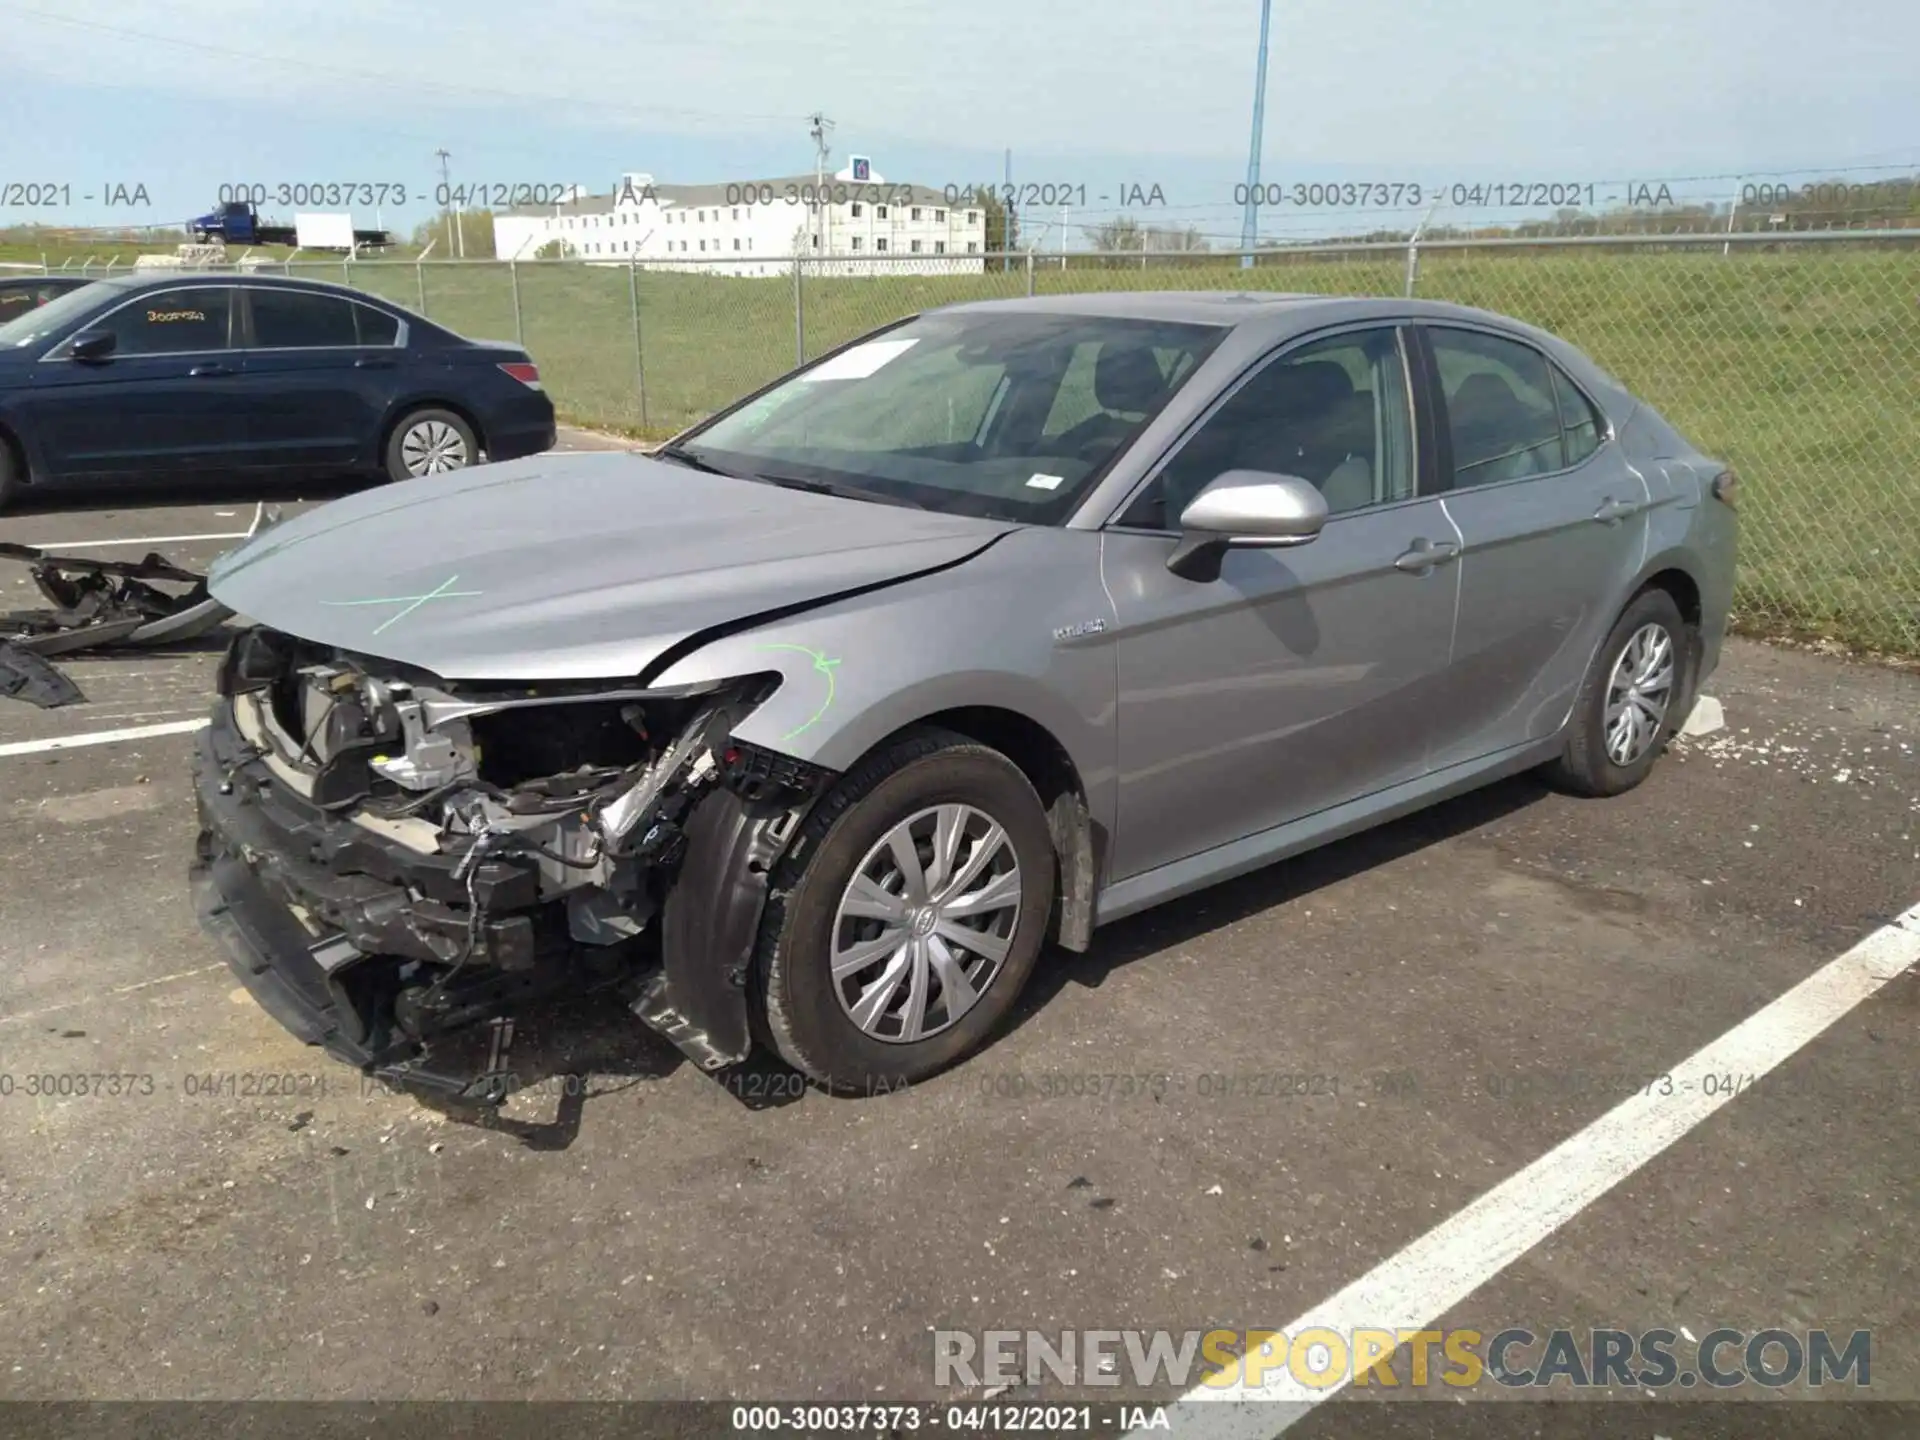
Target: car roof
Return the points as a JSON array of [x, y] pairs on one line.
[[1278, 310], [1271, 316], [140, 280], [52, 276]]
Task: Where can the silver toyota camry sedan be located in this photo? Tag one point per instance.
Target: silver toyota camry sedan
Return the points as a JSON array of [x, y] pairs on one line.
[[816, 728]]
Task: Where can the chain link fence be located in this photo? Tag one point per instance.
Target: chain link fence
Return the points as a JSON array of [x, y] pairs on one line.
[[1793, 356]]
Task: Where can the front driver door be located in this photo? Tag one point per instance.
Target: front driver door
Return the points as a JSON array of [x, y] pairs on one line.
[[1297, 680], [164, 403]]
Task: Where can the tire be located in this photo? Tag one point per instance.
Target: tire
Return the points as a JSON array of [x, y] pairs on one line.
[[1589, 765], [431, 438], [918, 781]]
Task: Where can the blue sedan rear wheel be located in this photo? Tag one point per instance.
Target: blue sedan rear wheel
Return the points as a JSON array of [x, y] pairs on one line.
[[430, 442]]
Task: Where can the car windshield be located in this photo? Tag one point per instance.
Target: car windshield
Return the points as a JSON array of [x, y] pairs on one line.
[[48, 320], [1009, 415]]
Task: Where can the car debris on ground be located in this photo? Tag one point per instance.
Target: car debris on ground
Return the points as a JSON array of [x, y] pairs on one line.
[[97, 605]]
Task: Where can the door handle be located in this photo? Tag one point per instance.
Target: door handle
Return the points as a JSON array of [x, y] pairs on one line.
[[373, 362], [1612, 511], [1424, 554], [211, 367]]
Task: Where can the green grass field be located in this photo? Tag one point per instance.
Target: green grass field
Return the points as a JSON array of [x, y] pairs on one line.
[[1799, 366]]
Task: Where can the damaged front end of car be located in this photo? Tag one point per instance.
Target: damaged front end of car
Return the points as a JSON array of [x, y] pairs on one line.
[[389, 858]]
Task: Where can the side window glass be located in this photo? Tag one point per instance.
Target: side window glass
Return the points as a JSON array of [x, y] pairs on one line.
[[301, 320], [172, 322], [1501, 410], [375, 327], [1579, 421], [1334, 412]]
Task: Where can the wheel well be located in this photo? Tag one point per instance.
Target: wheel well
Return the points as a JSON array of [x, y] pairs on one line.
[[1046, 764], [414, 407], [1685, 593], [11, 443]]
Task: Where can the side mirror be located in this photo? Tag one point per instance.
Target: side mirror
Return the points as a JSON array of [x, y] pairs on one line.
[[1245, 509], [92, 344]]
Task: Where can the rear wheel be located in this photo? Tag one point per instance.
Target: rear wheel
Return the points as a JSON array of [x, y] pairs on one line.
[[906, 920], [430, 442], [1631, 700]]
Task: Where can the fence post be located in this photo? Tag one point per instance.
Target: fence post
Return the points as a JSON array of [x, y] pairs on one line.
[[639, 351], [799, 314], [1413, 260], [1029, 273], [346, 272], [513, 274], [420, 284]]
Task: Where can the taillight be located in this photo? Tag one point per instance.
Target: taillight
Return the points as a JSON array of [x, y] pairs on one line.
[[1726, 488], [525, 371]]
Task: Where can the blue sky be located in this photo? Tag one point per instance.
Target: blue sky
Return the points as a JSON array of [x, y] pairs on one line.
[[182, 95]]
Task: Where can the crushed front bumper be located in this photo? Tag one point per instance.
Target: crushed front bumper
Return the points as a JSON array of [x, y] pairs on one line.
[[351, 938], [304, 903]]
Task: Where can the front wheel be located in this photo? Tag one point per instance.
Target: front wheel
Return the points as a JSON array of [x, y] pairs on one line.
[[1631, 700], [430, 442], [906, 920]]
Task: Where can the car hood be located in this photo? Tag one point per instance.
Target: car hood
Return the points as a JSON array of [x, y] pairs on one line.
[[566, 567]]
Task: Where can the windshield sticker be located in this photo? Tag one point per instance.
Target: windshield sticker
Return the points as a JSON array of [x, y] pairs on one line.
[[861, 361], [1046, 482]]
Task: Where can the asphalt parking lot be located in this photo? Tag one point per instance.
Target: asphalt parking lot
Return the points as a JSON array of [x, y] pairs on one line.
[[1230, 1110]]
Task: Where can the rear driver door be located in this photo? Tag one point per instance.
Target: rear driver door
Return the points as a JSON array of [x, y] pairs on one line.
[[1553, 527], [319, 371]]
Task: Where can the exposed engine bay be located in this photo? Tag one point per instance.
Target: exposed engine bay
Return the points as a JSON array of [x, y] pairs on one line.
[[449, 852]]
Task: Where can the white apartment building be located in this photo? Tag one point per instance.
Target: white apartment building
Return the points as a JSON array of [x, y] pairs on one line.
[[755, 227]]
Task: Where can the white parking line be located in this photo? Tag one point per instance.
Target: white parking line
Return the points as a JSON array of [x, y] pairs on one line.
[[100, 737], [1412, 1289], [137, 540]]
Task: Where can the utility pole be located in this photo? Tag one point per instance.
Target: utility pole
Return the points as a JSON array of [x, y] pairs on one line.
[[1006, 214], [1249, 226], [446, 189], [821, 125]]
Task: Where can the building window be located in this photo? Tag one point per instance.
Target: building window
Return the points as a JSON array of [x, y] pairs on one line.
[[881, 243], [914, 214], [972, 246], [973, 217], [939, 247], [916, 247], [856, 242], [939, 215], [816, 242], [736, 244], [703, 246], [736, 212], [880, 211], [856, 207]]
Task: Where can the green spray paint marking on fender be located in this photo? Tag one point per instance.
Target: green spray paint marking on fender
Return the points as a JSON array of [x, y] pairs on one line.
[[824, 666]]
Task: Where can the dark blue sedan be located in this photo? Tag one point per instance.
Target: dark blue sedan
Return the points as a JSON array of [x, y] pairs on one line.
[[196, 376]]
